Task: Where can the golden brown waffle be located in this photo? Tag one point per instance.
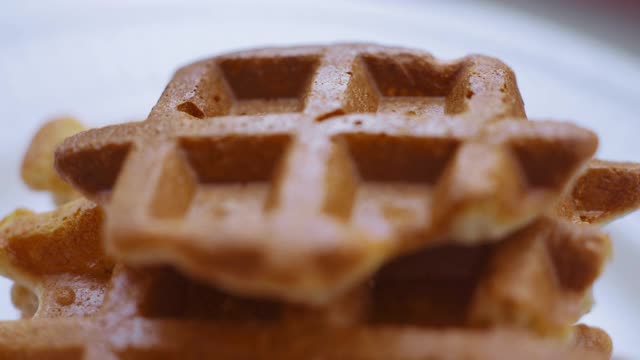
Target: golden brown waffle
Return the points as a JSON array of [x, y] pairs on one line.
[[605, 191], [539, 279], [297, 172], [37, 167], [58, 256], [153, 312]]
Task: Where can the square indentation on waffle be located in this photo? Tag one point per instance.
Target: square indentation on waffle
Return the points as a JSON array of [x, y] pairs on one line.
[[268, 85], [248, 85], [403, 83], [218, 177]]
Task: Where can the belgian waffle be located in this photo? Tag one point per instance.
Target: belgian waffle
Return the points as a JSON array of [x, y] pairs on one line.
[[349, 201], [297, 172], [604, 192], [87, 307]]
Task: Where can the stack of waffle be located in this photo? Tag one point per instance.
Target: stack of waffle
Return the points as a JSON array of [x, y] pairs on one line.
[[338, 202]]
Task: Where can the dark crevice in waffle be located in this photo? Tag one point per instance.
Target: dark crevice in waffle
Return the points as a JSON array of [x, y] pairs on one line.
[[329, 115], [191, 108], [205, 302], [94, 170], [433, 287], [268, 85], [234, 159], [164, 293], [575, 258], [147, 292], [383, 158], [410, 75]]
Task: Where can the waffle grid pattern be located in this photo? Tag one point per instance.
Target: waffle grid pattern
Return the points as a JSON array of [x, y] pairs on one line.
[[338, 158]]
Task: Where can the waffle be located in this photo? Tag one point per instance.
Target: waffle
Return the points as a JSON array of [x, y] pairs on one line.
[[605, 191], [296, 172], [24, 300], [89, 307], [37, 167], [57, 256]]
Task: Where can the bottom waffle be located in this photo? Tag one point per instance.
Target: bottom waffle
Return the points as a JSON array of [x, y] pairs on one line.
[[147, 316], [535, 280], [139, 339]]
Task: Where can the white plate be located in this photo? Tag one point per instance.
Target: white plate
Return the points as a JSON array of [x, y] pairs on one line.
[[108, 61]]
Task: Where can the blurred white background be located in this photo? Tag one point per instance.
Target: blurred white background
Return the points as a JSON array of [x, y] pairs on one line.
[[108, 62]]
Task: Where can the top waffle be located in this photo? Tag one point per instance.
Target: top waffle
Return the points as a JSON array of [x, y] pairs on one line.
[[296, 172]]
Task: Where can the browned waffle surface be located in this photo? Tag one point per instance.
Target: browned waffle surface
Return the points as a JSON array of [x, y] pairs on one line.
[[297, 172], [545, 272], [605, 191], [37, 167], [154, 313]]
